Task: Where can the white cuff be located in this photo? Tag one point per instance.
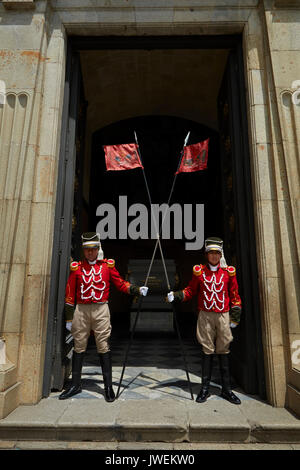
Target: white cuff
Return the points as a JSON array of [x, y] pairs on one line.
[[144, 290]]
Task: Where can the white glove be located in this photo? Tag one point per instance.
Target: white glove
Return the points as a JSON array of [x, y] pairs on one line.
[[69, 325], [144, 290], [170, 296], [233, 325]]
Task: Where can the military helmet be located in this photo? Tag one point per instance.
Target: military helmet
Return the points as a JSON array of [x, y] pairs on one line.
[[215, 243], [92, 240]]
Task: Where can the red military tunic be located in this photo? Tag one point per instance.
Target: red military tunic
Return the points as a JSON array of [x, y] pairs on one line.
[[217, 290], [89, 283]]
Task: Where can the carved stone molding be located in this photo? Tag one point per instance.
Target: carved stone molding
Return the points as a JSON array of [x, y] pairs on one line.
[[287, 3], [19, 4]]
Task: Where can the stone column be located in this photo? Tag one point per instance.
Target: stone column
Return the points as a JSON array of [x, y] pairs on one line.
[[282, 31], [32, 71], [260, 117], [272, 68], [275, 179]]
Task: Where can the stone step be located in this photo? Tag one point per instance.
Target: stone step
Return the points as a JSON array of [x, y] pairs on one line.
[[167, 421], [138, 447]]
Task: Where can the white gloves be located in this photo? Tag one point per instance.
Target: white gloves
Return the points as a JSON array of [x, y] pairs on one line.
[[170, 296], [69, 325], [233, 325], [144, 290]]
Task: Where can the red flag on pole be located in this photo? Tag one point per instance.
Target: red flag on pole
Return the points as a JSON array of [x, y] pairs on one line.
[[122, 157], [194, 157]]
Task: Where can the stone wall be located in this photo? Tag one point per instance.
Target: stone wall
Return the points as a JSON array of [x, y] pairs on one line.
[[32, 55], [32, 68]]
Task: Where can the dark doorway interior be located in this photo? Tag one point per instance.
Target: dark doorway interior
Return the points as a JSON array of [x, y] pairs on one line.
[[161, 139]]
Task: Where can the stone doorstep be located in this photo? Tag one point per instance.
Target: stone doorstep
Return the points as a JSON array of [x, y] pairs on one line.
[[8, 399], [139, 446], [8, 376], [150, 421]]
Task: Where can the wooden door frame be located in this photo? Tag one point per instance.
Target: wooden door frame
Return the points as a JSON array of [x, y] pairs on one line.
[[55, 349]]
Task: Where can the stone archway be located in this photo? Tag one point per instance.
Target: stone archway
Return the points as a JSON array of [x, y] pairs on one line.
[[115, 98]]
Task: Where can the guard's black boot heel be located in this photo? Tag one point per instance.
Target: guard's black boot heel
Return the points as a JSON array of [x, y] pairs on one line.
[[75, 386], [207, 361], [105, 361], [225, 379]]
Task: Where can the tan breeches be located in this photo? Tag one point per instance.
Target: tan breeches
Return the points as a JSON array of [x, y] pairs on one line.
[[213, 332], [89, 317]]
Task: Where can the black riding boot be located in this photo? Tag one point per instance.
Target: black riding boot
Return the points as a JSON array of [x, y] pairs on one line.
[[207, 362], [105, 361], [75, 386], [225, 379]]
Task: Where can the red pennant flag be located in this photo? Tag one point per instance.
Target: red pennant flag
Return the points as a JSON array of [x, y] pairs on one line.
[[194, 157], [122, 157]]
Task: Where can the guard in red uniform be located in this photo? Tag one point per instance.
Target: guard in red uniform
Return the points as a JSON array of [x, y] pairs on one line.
[[86, 309], [219, 307]]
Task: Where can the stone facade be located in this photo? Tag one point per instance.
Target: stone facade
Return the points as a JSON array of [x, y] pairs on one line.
[[33, 37]]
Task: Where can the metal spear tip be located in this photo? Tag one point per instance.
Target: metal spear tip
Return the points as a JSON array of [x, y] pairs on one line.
[[187, 138]]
